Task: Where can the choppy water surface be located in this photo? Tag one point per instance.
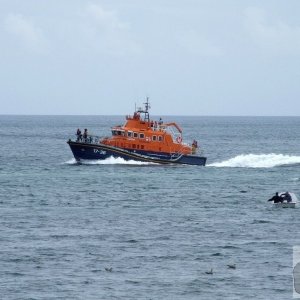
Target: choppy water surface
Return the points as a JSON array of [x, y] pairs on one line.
[[160, 228]]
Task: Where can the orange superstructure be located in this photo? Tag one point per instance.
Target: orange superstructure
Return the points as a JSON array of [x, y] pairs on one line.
[[143, 134]]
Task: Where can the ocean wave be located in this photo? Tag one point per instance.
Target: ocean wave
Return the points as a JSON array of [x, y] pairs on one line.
[[258, 161]]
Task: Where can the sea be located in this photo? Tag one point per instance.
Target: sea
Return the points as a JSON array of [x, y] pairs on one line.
[[130, 230]]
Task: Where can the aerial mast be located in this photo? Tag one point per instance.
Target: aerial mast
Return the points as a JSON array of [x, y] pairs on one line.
[[145, 110], [147, 107]]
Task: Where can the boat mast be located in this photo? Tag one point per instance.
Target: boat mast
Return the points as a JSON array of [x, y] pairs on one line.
[[145, 111]]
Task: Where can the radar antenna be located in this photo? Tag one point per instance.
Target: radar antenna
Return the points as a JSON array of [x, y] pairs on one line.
[[146, 110], [147, 104]]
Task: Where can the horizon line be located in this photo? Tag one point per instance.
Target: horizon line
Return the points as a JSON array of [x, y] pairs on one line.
[[118, 115]]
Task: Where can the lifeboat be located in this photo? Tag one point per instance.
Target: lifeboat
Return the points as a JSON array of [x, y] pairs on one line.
[[139, 139]]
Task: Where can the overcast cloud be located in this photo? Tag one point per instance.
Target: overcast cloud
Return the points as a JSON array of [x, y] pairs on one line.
[[190, 57]]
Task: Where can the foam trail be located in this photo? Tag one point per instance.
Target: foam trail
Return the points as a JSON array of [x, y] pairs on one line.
[[109, 161], [71, 162], [116, 161], [258, 161]]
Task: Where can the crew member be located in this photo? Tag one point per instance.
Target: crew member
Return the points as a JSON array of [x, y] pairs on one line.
[[85, 135], [79, 136], [276, 198], [286, 196], [195, 144]]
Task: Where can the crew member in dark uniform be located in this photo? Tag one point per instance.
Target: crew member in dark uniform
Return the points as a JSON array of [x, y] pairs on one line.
[[79, 136], [276, 198], [85, 135], [286, 196]]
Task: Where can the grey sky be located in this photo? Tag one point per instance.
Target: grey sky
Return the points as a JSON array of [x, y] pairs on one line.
[[190, 57]]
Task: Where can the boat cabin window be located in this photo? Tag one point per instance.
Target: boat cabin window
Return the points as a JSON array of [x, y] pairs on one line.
[[154, 138], [135, 134], [142, 135], [160, 138], [129, 133], [118, 132]]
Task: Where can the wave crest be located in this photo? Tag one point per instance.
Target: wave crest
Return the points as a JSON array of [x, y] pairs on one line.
[[258, 161]]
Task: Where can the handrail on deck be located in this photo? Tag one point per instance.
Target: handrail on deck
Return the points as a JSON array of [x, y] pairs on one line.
[[90, 139]]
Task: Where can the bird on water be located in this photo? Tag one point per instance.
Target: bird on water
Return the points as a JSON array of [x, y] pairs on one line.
[[209, 272]]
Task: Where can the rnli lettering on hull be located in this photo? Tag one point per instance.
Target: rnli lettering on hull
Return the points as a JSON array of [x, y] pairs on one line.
[[101, 152]]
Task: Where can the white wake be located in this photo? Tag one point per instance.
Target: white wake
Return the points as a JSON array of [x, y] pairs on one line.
[[109, 161], [70, 162], [258, 161]]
